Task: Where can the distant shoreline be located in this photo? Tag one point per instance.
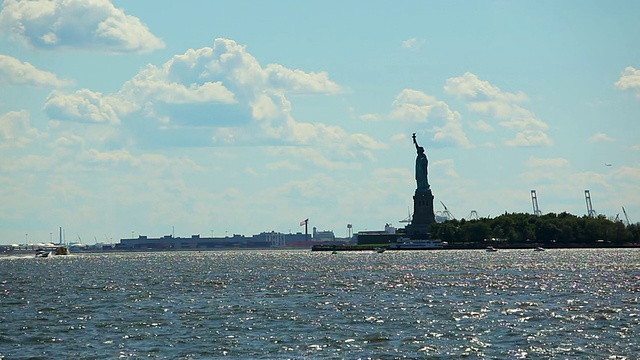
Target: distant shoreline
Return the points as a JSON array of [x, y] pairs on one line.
[[320, 248], [453, 247]]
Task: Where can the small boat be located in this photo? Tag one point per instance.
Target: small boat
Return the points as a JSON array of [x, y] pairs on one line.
[[379, 250], [539, 248], [40, 253], [62, 250], [491, 249], [418, 244]]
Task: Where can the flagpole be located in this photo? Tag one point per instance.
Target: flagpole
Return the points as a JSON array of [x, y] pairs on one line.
[[306, 228]]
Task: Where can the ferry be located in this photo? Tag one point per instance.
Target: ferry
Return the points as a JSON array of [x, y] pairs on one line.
[[418, 244], [51, 249]]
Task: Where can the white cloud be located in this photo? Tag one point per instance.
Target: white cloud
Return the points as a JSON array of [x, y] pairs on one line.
[[84, 106], [16, 130], [161, 84], [412, 43], [68, 140], [530, 138], [284, 165], [547, 163], [147, 162], [481, 125], [469, 86], [628, 174], [223, 88], [366, 141], [629, 80], [226, 74], [451, 133], [230, 63], [76, 24], [26, 163], [499, 109], [324, 158], [369, 117], [486, 98], [414, 97], [264, 107], [332, 139], [416, 107], [329, 147], [601, 137], [448, 165], [15, 72], [523, 124], [588, 179], [300, 82]]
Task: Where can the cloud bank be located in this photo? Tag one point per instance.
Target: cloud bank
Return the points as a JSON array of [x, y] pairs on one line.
[[503, 107], [76, 24], [214, 96], [629, 80], [16, 130], [421, 109], [15, 72]]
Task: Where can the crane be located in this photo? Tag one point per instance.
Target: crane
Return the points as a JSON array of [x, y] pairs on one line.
[[626, 216], [590, 211], [446, 213], [473, 215], [534, 200], [408, 218]]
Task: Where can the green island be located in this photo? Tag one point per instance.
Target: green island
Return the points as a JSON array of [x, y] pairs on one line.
[[524, 231], [521, 230], [509, 230]]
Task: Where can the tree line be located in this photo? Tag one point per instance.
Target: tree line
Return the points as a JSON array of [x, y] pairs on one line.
[[550, 230]]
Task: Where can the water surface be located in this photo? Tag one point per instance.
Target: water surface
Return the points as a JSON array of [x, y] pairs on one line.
[[300, 304]]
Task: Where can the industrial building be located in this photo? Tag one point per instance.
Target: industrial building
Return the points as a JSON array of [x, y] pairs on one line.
[[263, 240], [389, 235]]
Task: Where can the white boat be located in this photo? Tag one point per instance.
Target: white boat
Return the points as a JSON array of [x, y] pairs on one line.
[[491, 249], [51, 249], [416, 244], [41, 253], [379, 250], [538, 249]]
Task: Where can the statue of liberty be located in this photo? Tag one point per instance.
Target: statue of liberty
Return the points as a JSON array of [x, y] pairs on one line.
[[421, 168]]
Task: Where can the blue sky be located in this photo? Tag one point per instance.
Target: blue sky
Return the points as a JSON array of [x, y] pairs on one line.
[[241, 117]]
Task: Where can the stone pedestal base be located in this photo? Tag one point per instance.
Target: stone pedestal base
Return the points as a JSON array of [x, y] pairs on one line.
[[417, 231], [423, 214]]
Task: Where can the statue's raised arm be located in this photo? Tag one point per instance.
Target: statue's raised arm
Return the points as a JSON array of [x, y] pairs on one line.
[[414, 141]]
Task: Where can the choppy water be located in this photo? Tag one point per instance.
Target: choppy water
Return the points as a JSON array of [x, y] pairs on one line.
[[299, 304]]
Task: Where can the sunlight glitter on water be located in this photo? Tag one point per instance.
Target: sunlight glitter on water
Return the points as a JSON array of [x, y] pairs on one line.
[[292, 304]]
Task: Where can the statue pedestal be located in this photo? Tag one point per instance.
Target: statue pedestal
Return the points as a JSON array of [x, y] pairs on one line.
[[423, 214]]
